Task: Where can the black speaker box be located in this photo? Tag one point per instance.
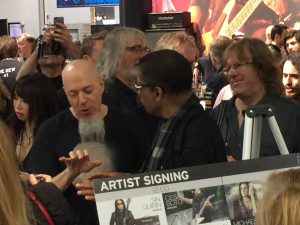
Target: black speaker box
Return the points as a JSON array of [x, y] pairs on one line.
[[98, 28], [3, 27], [134, 13]]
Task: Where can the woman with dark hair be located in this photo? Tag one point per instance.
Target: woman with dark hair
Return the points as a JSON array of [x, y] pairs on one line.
[[245, 205], [121, 215], [33, 100]]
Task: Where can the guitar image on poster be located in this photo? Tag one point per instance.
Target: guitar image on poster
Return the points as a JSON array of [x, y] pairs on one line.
[[199, 202], [198, 217], [224, 27]]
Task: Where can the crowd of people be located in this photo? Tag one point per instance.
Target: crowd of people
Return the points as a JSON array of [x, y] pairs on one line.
[[135, 110]]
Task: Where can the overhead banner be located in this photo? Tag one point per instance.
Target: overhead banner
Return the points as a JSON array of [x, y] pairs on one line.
[[208, 194]]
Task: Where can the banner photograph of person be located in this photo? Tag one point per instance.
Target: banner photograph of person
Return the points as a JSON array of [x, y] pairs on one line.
[[196, 206], [243, 197], [144, 210]]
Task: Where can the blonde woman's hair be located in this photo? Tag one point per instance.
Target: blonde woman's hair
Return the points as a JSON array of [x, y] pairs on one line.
[[281, 201], [13, 204]]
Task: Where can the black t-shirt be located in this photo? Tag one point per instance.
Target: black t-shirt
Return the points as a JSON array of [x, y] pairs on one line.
[[59, 135], [62, 100], [9, 69], [286, 113]]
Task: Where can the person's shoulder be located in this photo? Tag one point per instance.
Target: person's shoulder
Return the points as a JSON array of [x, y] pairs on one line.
[[204, 59], [113, 84], [223, 106], [61, 118], [282, 103], [115, 115], [6, 63]]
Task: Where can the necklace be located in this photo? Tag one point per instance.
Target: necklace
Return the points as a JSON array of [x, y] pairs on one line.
[[24, 144]]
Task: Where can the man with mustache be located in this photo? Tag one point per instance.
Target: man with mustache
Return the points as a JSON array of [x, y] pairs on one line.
[[87, 120]]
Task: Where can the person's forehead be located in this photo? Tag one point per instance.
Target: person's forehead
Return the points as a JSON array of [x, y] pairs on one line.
[[54, 57], [236, 56], [292, 39], [231, 58], [288, 67], [79, 76], [20, 40], [131, 41]]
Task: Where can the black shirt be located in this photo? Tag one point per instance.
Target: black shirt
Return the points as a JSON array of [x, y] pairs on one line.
[[287, 114], [59, 135], [9, 69]]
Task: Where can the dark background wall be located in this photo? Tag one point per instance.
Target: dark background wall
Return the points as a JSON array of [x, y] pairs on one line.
[[134, 13]]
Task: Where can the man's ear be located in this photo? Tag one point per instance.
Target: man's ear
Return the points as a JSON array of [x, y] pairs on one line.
[[101, 82], [159, 93], [277, 36], [85, 57]]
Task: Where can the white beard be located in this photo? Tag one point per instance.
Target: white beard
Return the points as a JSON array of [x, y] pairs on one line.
[[92, 133], [92, 129], [130, 74]]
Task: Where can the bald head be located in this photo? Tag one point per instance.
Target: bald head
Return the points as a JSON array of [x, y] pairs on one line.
[[83, 87], [79, 67]]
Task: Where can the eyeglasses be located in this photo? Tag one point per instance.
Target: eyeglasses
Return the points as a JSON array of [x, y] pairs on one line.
[[236, 66], [138, 49], [119, 203], [139, 87]]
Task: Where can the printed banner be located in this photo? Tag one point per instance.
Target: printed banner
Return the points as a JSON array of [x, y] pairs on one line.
[[209, 194]]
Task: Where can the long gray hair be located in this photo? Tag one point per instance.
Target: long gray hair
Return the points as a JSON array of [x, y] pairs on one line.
[[113, 48]]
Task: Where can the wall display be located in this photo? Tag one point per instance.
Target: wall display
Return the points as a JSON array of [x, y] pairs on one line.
[[224, 17], [208, 194], [15, 29], [83, 3]]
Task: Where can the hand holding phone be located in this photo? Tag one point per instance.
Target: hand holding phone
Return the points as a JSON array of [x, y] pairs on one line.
[[58, 19]]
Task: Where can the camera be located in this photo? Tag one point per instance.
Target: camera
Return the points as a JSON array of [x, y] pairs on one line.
[[53, 47]]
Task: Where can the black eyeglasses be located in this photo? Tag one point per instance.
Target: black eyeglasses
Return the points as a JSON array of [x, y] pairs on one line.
[[119, 203], [236, 66], [138, 49]]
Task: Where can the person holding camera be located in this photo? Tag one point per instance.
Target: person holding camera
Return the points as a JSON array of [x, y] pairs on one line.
[[49, 58]]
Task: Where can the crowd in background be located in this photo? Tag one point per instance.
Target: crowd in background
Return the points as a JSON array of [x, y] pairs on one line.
[[135, 109]]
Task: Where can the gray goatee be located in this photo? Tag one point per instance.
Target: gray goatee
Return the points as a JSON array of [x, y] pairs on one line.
[[91, 129]]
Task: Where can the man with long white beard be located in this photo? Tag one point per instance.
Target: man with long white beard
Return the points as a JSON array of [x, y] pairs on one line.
[[87, 120]]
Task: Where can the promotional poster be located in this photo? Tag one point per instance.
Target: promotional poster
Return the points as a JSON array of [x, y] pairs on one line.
[[223, 193], [224, 17]]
